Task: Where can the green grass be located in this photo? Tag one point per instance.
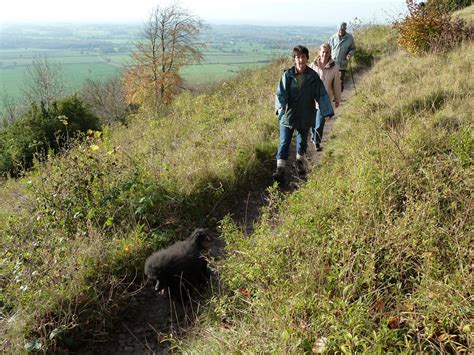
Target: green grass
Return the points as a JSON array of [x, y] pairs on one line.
[[76, 72], [373, 42], [467, 14], [373, 254], [10, 82]]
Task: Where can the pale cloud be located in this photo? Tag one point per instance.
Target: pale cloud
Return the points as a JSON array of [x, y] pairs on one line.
[[287, 12]]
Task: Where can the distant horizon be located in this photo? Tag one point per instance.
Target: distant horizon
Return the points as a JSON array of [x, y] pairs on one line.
[[138, 23]]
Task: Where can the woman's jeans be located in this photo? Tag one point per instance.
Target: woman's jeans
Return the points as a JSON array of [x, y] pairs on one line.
[[318, 131], [286, 134]]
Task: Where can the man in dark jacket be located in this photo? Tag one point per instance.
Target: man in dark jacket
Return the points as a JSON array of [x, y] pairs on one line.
[[295, 98]]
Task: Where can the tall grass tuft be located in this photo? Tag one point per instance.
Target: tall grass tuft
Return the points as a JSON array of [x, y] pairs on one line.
[[373, 43]]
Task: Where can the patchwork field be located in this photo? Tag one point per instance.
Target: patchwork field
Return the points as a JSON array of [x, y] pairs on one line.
[[101, 51]]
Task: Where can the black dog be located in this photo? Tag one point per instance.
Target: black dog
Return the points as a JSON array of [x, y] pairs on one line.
[[179, 267]]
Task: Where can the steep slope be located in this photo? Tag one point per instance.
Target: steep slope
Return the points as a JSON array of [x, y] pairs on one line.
[[76, 231]]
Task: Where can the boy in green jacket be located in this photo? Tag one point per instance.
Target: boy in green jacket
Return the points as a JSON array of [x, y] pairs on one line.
[[299, 88]]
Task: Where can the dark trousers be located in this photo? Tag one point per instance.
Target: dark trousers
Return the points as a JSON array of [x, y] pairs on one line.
[[342, 74]]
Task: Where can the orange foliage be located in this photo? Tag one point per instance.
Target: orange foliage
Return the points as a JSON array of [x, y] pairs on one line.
[[428, 29], [167, 45]]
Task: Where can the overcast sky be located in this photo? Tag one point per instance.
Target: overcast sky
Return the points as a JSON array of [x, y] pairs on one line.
[[264, 12]]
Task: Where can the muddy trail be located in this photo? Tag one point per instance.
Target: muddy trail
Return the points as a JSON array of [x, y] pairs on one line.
[[150, 323]]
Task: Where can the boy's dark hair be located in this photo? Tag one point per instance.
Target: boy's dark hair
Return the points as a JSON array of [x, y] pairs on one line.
[[298, 50]]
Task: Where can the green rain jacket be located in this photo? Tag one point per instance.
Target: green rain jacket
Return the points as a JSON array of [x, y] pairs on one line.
[[296, 106]]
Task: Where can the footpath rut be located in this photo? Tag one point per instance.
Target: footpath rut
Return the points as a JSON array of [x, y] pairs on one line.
[[150, 322]]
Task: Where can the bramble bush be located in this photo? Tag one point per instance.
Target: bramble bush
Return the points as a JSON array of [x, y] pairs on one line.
[[427, 28]]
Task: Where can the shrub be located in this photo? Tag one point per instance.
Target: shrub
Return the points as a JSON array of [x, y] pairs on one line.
[[452, 32], [42, 129], [426, 28]]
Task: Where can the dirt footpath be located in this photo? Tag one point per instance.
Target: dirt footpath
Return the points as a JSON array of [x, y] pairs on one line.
[[150, 322]]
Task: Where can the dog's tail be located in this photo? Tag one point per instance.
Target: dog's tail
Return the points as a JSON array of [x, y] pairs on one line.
[[199, 236]]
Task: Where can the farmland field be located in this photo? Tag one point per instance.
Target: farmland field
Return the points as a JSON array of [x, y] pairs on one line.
[[101, 51]]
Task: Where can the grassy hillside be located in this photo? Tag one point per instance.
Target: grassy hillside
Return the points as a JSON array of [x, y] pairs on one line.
[[75, 232], [467, 14], [375, 253]]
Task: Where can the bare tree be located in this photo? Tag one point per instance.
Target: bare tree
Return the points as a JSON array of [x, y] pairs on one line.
[[44, 81], [10, 109], [169, 43], [107, 99]]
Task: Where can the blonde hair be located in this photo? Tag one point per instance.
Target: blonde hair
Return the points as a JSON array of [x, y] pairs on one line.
[[325, 46]]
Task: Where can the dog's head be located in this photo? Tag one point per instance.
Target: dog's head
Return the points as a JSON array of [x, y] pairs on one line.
[[156, 276], [152, 272], [157, 265]]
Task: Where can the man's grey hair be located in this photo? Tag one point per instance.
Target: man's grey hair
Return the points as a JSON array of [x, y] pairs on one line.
[[342, 25]]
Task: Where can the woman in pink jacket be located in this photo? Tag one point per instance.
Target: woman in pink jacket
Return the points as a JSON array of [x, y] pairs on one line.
[[328, 71]]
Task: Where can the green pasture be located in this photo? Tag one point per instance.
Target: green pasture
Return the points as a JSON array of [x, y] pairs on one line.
[[77, 66], [236, 58], [12, 79], [100, 51], [17, 58], [76, 74]]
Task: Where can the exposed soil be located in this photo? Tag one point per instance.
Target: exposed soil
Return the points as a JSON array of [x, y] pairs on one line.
[[150, 321]]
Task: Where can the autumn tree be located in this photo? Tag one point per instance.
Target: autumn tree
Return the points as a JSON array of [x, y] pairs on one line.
[[168, 44]]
